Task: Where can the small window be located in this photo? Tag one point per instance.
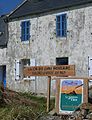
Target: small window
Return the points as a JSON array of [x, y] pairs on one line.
[[19, 66], [62, 61], [28, 62], [25, 63], [61, 25], [25, 30]]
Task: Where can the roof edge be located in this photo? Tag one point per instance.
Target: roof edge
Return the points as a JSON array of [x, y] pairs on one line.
[[16, 8]]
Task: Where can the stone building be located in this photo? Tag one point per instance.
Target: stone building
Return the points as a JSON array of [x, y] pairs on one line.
[[40, 33], [3, 49]]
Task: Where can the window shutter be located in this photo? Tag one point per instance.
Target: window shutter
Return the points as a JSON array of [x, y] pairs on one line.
[[27, 30], [32, 63], [21, 31], [65, 25], [17, 64], [56, 26], [61, 25], [90, 67]]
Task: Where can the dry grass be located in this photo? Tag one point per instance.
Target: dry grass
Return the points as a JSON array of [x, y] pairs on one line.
[[22, 106]]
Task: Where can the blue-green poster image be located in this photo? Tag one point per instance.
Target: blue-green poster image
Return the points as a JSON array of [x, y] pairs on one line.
[[71, 94]]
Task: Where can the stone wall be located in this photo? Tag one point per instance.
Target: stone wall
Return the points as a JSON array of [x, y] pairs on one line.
[[3, 56], [44, 46]]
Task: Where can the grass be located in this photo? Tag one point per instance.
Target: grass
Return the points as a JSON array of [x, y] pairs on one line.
[[32, 107]]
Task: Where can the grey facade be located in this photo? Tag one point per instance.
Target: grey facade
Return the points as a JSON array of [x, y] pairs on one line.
[[3, 32], [44, 46], [3, 40], [3, 49]]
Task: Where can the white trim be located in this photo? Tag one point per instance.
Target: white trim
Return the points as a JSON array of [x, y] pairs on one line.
[[60, 13]]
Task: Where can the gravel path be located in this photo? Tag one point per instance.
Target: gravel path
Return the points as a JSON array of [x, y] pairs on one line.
[[50, 117]]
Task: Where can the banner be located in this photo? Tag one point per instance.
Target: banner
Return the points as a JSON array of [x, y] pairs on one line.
[[71, 94]]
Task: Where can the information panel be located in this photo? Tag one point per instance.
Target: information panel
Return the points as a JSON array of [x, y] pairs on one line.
[[71, 95], [56, 70]]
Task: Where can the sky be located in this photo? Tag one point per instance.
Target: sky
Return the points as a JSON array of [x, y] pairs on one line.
[[6, 6]]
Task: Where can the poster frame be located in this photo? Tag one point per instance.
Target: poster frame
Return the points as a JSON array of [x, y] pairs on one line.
[[61, 80]]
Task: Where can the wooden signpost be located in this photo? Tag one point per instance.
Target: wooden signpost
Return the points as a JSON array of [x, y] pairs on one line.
[[55, 70], [65, 72]]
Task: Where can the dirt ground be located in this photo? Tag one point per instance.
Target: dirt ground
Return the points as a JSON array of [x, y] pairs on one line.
[[28, 106]]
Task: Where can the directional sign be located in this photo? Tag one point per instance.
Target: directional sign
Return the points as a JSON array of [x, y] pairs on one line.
[[56, 70]]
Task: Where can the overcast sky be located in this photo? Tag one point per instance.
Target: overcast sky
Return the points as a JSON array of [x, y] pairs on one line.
[[6, 6]]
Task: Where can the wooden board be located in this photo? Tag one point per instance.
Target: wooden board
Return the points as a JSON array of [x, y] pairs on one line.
[[48, 93], [85, 92], [57, 96], [57, 70]]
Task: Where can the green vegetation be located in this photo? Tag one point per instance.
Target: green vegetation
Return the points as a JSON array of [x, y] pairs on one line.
[[23, 106]]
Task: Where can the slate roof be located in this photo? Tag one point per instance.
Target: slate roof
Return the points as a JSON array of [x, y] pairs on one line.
[[36, 7]]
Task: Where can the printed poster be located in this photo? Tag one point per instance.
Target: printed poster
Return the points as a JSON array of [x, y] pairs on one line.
[[71, 94]]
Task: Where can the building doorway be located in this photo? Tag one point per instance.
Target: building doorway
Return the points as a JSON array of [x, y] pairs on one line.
[[3, 75]]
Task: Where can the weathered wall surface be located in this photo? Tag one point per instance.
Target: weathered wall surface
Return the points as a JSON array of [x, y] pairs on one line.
[[44, 46], [3, 56]]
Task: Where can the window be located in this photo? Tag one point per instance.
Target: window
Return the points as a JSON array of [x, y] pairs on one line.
[[25, 30], [19, 66], [61, 25], [62, 61], [28, 62]]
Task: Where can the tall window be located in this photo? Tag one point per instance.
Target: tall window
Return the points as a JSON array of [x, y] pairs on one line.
[[25, 30], [61, 25]]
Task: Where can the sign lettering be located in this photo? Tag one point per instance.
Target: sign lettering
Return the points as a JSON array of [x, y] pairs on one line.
[[57, 70]]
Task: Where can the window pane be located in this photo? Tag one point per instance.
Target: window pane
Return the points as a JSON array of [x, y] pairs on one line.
[[58, 18], [27, 30], [58, 32], [23, 38], [63, 24], [64, 17], [62, 61], [58, 26], [23, 24], [23, 31], [26, 61], [28, 23], [27, 37]]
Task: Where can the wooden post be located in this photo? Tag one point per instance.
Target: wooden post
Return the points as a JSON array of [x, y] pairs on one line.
[[48, 93], [57, 95], [85, 91]]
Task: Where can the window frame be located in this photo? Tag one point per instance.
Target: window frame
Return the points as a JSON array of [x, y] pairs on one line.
[[25, 30], [61, 25], [65, 60]]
